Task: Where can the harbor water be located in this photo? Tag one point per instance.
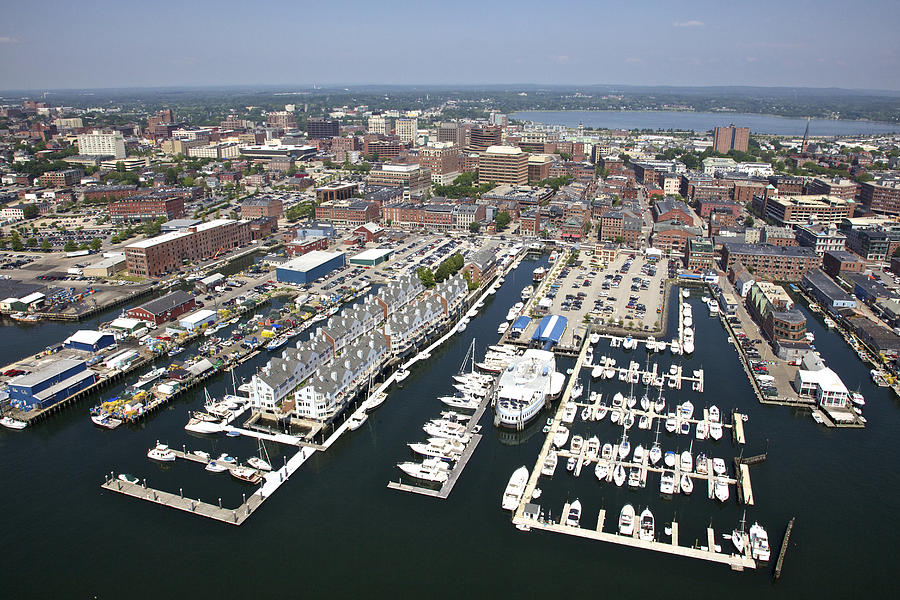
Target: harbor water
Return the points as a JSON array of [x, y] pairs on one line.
[[335, 530]]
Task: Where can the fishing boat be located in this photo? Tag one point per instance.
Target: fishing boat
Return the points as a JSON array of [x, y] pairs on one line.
[[161, 452], [515, 489], [277, 343], [11, 423], [573, 519], [149, 377], [647, 529], [759, 543], [626, 520], [246, 474], [105, 421], [687, 484], [550, 462]]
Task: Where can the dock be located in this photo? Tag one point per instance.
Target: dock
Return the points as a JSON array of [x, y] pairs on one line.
[[779, 565]]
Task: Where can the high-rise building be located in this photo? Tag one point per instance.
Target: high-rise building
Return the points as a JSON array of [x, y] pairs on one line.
[[484, 137], [442, 159], [99, 143], [378, 123], [503, 164], [731, 138], [282, 119], [322, 128], [407, 127]]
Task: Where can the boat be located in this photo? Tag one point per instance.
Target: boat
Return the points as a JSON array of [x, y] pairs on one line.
[[550, 462], [626, 520], [719, 466], [688, 346], [246, 474], [671, 423], [857, 398], [592, 447], [628, 419], [569, 413], [400, 375], [161, 452], [11, 423], [687, 461], [634, 478], [669, 458], [624, 447], [655, 453], [619, 474], [444, 448], [277, 343], [660, 405], [175, 351], [595, 338], [356, 420], [687, 484], [714, 414], [721, 489], [829, 323], [571, 464], [702, 430], [460, 402], [606, 452], [106, 421], [431, 469], [527, 292], [685, 428], [576, 445], [525, 386], [685, 293], [737, 536], [503, 327], [440, 428], [149, 377], [515, 489], [601, 470], [644, 422], [600, 412], [686, 409], [128, 478], [715, 431], [577, 391], [573, 519], [538, 274], [759, 543], [233, 433], [586, 413], [203, 426], [639, 454], [214, 467], [667, 483], [647, 529], [675, 347], [701, 465], [561, 436], [259, 462], [375, 400]]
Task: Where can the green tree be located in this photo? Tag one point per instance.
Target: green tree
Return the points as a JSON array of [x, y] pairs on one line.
[[45, 244], [171, 176], [15, 241], [474, 226], [426, 276], [70, 246], [748, 221], [29, 211], [120, 167], [31, 242], [502, 220], [96, 244]]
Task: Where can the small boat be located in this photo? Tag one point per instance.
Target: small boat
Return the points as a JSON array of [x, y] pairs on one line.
[[624, 447], [685, 428], [687, 409], [606, 452], [571, 464], [600, 412], [401, 375], [162, 453], [201, 454], [573, 519], [702, 430], [149, 377], [626, 520], [639, 454], [687, 461], [671, 423], [647, 529], [644, 422], [721, 489], [11, 423], [246, 474], [602, 470], [759, 543], [503, 327], [214, 467], [634, 478], [595, 338], [586, 413], [687, 484], [655, 453], [550, 462], [714, 414], [375, 400], [225, 458], [577, 391], [561, 436], [128, 478], [715, 431], [857, 398], [233, 433], [701, 465], [645, 402], [576, 444], [592, 447], [569, 413], [675, 347], [619, 474], [685, 293], [106, 421], [669, 458], [512, 495], [355, 421], [667, 483], [175, 351], [737, 537], [719, 466]]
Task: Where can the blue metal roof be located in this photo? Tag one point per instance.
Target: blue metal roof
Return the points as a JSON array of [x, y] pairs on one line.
[[550, 329], [522, 322]]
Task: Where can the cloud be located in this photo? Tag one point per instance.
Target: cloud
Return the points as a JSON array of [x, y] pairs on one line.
[[561, 59], [633, 60], [692, 23], [751, 59], [6, 39]]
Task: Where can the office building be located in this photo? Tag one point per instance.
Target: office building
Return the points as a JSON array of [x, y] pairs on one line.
[[482, 138], [281, 119], [322, 128], [309, 267], [413, 179], [782, 263], [442, 159], [266, 206], [801, 210], [99, 143], [147, 207], [406, 129], [730, 138], [503, 164], [167, 253], [378, 123], [880, 197], [774, 311]]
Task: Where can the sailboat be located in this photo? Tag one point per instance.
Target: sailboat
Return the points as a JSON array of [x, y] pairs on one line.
[[655, 453], [258, 462], [737, 536], [687, 484]]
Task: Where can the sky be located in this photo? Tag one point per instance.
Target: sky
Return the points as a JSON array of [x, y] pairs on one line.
[[123, 43]]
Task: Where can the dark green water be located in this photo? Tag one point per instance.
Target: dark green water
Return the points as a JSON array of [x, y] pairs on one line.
[[335, 530]]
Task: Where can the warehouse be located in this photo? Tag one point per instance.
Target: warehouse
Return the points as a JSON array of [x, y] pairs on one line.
[[372, 257], [162, 309], [89, 340], [198, 319], [208, 283], [105, 268], [309, 267], [47, 386], [549, 331]]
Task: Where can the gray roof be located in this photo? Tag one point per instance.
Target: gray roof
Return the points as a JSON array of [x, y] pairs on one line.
[[52, 370], [167, 302]]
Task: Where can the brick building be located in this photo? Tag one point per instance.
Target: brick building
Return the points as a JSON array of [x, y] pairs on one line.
[[784, 263], [700, 255], [266, 206], [880, 197], [167, 253], [347, 212], [726, 139], [503, 164], [146, 208]]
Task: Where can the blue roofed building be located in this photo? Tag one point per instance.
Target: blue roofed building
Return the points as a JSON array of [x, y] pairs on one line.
[[51, 384], [89, 340], [549, 331]]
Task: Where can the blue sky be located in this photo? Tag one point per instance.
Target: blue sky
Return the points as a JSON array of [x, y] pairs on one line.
[[100, 43]]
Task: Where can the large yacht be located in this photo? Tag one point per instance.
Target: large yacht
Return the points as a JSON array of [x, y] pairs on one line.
[[525, 386], [515, 489], [430, 469]]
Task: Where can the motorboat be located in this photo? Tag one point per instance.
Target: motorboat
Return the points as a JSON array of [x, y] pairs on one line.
[[685, 428], [647, 529], [737, 538], [512, 495], [401, 375], [561, 436], [550, 462], [214, 467], [857, 399], [602, 470], [460, 402], [586, 413], [626, 520], [669, 458], [454, 417], [440, 428], [719, 466], [644, 422], [226, 458], [573, 519], [569, 413], [624, 447], [675, 347], [597, 372], [444, 448], [606, 452], [162, 453], [667, 483], [687, 484], [714, 414], [685, 293], [576, 444], [149, 377], [431, 469], [687, 461], [688, 346], [628, 420], [577, 391], [701, 465], [503, 327], [609, 373], [720, 488], [702, 430], [619, 475], [201, 454], [600, 412], [203, 426], [616, 416], [639, 453], [759, 543], [687, 409], [671, 423], [634, 478], [11, 423], [595, 338], [106, 421], [655, 454], [524, 387], [592, 447], [246, 474], [233, 433], [571, 464], [715, 431]]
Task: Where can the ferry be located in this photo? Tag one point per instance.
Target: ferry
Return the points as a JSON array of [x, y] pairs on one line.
[[525, 386]]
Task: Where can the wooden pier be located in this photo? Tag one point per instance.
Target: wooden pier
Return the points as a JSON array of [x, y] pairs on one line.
[[784, 546]]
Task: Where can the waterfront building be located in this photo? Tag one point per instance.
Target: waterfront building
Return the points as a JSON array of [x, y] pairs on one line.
[[164, 308], [785, 263], [309, 267], [827, 293], [371, 257], [408, 325], [53, 381], [155, 205], [88, 340], [869, 290], [774, 312], [821, 238], [198, 319], [836, 262], [166, 253], [700, 255], [824, 385]]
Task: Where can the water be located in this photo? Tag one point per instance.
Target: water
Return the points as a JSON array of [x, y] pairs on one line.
[[702, 121], [335, 528]]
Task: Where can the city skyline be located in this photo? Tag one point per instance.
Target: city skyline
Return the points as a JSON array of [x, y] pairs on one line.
[[768, 44]]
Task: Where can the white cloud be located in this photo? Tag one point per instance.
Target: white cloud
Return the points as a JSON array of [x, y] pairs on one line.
[[6, 39], [692, 23]]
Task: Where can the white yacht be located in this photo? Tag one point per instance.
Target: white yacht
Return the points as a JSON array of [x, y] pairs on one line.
[[714, 414], [669, 458], [149, 377], [647, 529], [503, 327], [525, 387], [702, 430], [619, 474], [639, 454], [721, 489], [667, 483], [573, 519], [759, 543], [430, 469], [569, 413], [576, 444], [602, 470], [549, 466], [561, 436], [460, 402], [687, 461], [401, 375], [595, 338], [515, 489], [719, 466], [440, 428], [203, 426], [527, 292], [214, 467], [626, 520], [355, 421], [11, 423], [445, 448], [162, 453], [675, 347], [715, 431]]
